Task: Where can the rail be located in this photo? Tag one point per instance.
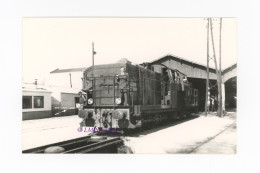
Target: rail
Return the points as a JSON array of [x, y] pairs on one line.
[[88, 144]]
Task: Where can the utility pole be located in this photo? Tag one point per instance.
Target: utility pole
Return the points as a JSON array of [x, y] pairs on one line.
[[207, 81], [218, 72], [216, 67], [93, 80], [93, 53], [220, 110]]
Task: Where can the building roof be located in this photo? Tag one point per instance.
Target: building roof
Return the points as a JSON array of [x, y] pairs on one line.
[[174, 57], [158, 60], [33, 88], [229, 68], [68, 70], [36, 90]]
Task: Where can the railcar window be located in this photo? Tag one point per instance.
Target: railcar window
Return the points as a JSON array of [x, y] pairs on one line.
[[38, 101], [27, 102]]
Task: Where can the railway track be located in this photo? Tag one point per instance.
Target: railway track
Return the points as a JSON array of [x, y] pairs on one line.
[[88, 144]]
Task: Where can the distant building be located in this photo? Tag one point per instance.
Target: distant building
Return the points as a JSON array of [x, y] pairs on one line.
[[63, 101], [36, 104], [65, 85]]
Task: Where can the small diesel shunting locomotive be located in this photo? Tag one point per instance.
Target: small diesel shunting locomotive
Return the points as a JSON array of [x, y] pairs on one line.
[[126, 96]]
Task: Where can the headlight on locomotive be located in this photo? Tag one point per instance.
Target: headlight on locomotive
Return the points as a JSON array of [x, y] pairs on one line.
[[118, 101], [90, 101], [78, 105]]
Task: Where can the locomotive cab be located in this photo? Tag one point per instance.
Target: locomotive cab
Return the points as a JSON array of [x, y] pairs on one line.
[[112, 92]]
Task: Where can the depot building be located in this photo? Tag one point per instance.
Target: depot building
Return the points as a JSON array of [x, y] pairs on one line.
[[36, 104]]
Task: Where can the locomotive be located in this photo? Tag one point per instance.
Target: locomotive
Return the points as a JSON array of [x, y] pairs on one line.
[[127, 96]]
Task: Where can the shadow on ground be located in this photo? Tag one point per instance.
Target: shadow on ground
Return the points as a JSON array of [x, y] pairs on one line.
[[154, 128], [145, 131]]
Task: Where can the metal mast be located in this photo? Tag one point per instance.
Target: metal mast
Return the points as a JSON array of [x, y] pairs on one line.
[[218, 72], [93, 53], [220, 108], [207, 82], [215, 60], [93, 80]]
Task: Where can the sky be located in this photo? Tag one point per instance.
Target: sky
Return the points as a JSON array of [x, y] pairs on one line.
[[51, 43]]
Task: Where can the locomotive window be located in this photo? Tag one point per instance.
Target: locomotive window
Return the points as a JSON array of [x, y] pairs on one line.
[[38, 102], [88, 84], [27, 102]]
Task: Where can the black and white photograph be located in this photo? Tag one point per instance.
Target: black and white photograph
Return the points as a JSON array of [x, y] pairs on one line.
[[129, 85]]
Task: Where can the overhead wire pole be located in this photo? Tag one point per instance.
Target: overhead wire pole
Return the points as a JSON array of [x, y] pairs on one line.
[[220, 108], [93, 68], [215, 60], [207, 81], [93, 53]]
